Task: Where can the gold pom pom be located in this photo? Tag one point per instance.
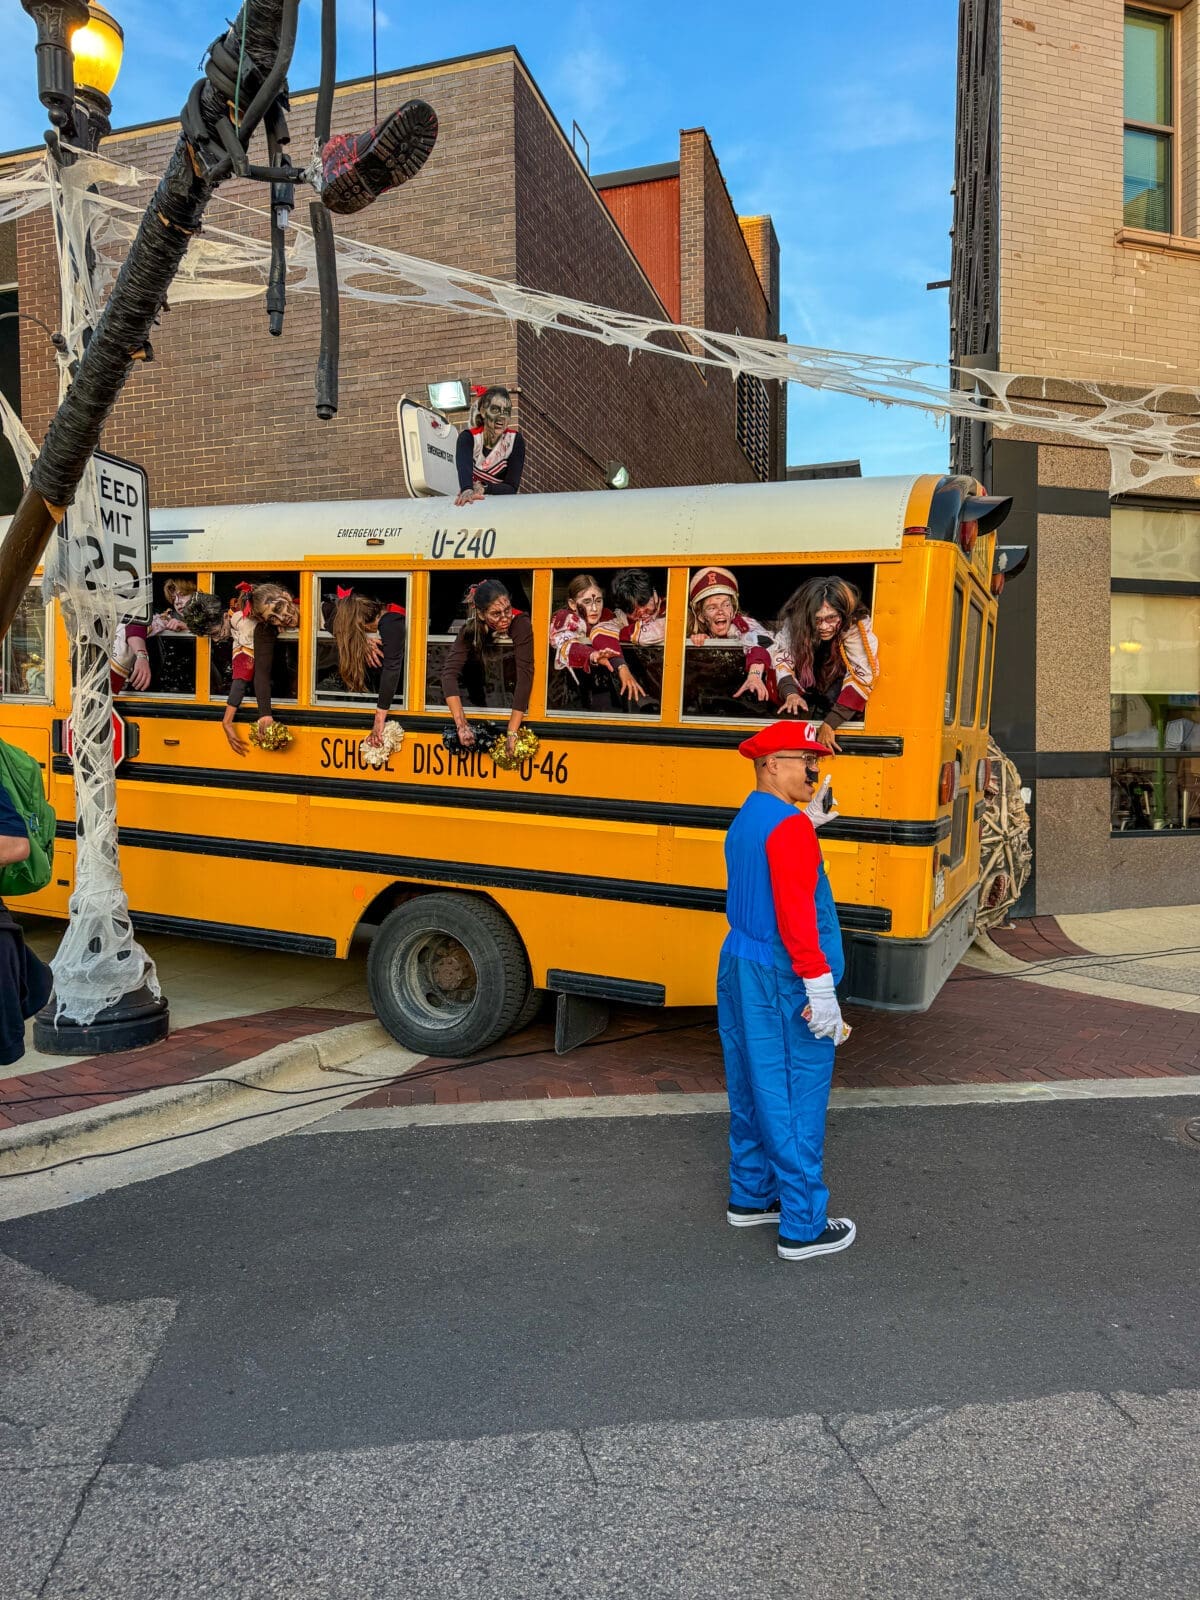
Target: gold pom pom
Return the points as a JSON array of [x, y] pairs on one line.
[[377, 755], [275, 736], [526, 747]]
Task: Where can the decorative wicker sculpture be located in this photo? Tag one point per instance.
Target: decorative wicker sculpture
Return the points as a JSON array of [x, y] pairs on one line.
[[1005, 855]]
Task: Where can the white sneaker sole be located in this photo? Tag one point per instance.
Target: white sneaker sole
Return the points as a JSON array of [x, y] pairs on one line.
[[803, 1252], [735, 1220]]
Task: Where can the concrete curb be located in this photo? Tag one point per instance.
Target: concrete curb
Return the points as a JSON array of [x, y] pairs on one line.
[[330, 1051]]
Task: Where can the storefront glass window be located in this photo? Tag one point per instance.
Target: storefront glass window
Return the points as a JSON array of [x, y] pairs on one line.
[[1154, 653]]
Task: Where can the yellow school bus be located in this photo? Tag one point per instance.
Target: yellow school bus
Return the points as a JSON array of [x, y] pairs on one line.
[[596, 870]]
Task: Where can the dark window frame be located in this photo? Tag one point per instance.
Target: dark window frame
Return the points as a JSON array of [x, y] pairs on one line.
[[1167, 132]]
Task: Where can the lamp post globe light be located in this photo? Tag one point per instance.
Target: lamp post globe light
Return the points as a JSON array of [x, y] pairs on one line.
[[79, 50], [97, 48]]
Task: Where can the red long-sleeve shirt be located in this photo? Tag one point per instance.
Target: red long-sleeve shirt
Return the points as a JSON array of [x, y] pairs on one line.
[[794, 862]]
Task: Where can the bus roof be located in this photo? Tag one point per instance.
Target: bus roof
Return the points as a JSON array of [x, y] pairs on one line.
[[709, 522], [706, 522]]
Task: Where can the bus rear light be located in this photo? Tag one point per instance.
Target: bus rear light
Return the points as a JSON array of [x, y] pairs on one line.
[[982, 774], [967, 534], [997, 584], [946, 784]]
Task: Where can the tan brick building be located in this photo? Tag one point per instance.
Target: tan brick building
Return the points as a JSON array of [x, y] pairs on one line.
[[1077, 257], [225, 412]]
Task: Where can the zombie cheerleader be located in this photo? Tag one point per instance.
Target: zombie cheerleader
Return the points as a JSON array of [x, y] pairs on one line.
[[717, 618], [585, 638], [490, 458], [825, 655], [258, 614], [492, 618], [371, 633]]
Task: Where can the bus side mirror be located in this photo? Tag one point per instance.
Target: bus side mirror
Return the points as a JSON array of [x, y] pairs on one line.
[[1010, 562], [987, 511]]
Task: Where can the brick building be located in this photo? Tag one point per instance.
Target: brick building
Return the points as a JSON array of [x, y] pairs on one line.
[[225, 413], [1077, 257]]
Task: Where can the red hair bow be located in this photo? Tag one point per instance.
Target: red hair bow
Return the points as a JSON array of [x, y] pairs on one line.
[[245, 588], [344, 594]]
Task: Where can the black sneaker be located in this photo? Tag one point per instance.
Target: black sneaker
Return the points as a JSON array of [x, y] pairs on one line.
[[838, 1235], [751, 1216]]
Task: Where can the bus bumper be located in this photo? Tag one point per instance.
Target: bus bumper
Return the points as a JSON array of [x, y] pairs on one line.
[[906, 974]]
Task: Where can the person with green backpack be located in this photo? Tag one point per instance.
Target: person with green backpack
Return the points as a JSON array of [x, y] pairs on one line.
[[26, 865]]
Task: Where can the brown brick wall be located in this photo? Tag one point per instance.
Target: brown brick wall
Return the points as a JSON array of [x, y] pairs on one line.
[[661, 417], [225, 412]]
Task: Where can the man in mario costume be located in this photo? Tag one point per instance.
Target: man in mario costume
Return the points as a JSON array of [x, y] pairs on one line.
[[777, 1009]]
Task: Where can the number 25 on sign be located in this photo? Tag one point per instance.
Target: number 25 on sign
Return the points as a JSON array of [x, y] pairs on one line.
[[116, 555]]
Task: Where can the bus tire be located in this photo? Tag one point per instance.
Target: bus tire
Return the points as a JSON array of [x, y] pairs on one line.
[[529, 1010], [447, 974]]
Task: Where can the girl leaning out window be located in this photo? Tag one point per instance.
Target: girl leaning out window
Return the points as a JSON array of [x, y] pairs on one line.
[[255, 619], [369, 633], [825, 655], [584, 636], [491, 620]]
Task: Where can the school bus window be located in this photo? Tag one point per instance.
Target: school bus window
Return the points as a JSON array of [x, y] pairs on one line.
[[985, 703], [361, 638], [606, 649], [970, 680], [953, 661], [285, 670], [170, 644], [25, 663], [751, 629], [487, 675]]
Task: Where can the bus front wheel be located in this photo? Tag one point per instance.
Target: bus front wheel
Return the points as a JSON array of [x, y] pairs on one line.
[[447, 974]]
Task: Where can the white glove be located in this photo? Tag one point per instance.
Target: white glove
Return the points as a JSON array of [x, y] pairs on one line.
[[823, 1014], [815, 809]]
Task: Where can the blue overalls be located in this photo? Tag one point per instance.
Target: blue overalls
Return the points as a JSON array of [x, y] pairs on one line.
[[777, 1073]]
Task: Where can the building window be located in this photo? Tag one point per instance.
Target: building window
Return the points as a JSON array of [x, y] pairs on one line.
[[1154, 650], [754, 424], [1149, 120]]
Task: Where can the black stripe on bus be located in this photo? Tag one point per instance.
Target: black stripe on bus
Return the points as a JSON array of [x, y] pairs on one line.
[[659, 813], [297, 944], [698, 738], [472, 874]]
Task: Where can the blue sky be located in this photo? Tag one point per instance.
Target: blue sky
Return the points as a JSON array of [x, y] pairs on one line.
[[838, 120]]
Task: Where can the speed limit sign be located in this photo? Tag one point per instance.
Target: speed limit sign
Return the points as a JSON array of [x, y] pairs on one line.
[[116, 554]]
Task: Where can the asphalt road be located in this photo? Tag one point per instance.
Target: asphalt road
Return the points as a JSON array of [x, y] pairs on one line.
[[527, 1360]]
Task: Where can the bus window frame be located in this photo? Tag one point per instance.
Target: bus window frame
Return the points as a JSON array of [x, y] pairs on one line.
[[539, 617], [971, 718], [989, 664], [332, 698], [168, 696], [543, 663], [209, 580], [49, 642], [953, 687], [770, 710]]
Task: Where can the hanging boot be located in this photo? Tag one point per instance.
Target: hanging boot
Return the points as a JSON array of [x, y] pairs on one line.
[[358, 167]]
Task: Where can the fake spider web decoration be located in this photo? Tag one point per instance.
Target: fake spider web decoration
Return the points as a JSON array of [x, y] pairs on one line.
[[1151, 432], [98, 961]]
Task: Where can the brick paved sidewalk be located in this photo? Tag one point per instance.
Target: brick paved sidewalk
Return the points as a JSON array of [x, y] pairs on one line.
[[1035, 939], [187, 1054], [981, 1029]]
